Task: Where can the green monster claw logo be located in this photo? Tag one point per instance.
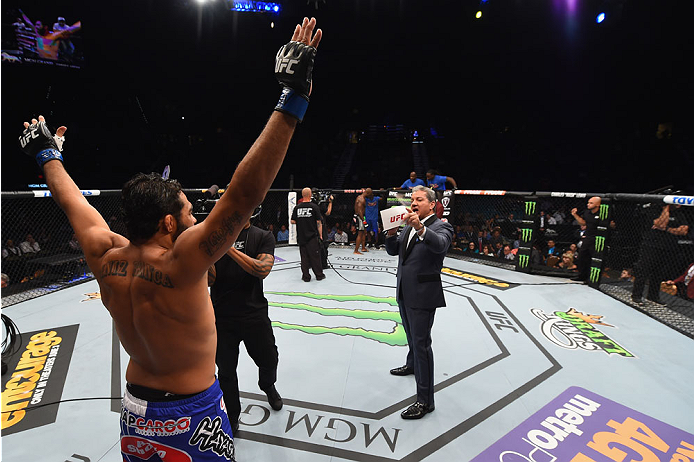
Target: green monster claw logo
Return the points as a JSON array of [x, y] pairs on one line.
[[526, 234], [604, 208], [523, 261], [396, 337], [529, 208], [599, 243], [594, 274]]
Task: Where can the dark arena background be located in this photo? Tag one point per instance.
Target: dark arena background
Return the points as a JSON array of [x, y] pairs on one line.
[[530, 108]]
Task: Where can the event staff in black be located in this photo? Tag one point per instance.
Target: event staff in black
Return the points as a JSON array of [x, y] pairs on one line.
[[326, 208], [241, 312], [421, 248], [653, 265], [309, 229], [591, 219]]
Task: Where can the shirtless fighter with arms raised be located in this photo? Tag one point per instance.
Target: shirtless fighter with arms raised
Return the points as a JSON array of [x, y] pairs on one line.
[[155, 284]]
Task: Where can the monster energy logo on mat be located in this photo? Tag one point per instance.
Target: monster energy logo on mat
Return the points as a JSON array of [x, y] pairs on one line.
[[594, 274], [523, 261], [603, 211], [599, 243], [529, 208], [526, 234], [393, 337]]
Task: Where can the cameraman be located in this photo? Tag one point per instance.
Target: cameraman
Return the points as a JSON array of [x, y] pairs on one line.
[[325, 204]]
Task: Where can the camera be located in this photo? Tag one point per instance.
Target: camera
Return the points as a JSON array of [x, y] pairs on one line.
[[203, 207], [321, 196]]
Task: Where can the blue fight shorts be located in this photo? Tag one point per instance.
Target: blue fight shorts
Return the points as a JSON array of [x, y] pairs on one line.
[[373, 225], [192, 429]]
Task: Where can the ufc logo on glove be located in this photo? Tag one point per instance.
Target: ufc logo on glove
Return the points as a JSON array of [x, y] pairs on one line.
[[285, 63], [25, 138]]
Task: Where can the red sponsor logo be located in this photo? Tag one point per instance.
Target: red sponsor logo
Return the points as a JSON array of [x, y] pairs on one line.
[[144, 449]]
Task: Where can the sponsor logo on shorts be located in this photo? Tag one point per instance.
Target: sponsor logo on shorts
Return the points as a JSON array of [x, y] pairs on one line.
[[145, 449], [209, 436], [153, 427]]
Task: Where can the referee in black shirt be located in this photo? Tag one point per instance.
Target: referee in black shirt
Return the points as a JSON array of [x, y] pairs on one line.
[[241, 312]]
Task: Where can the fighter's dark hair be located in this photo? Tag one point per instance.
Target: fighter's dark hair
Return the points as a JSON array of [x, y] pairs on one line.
[[146, 199]]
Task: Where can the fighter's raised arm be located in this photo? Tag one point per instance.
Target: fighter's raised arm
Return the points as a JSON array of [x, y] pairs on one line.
[[204, 244], [91, 229]]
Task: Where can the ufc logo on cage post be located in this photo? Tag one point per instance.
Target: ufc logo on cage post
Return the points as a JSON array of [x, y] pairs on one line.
[[285, 65]]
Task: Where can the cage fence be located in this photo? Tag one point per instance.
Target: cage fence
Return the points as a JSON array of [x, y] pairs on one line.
[[534, 232]]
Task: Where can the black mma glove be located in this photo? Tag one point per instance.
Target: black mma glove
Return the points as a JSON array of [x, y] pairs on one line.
[[38, 142], [293, 68]]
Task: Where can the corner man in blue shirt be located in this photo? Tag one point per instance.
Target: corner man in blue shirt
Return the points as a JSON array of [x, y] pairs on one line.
[[438, 182], [412, 182]]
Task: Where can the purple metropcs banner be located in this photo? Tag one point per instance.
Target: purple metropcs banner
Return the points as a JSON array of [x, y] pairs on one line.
[[581, 426]]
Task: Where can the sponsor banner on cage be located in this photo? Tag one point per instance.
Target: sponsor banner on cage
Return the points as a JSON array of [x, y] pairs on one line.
[[480, 192], [393, 217], [85, 192], [679, 200], [582, 426], [33, 384]]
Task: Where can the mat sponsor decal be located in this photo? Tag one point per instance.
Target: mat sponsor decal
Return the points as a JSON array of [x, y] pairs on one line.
[[394, 337], [91, 296], [479, 279], [575, 330], [35, 377], [582, 426], [321, 426]]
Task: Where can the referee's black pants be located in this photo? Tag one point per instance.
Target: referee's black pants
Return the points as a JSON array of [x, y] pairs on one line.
[[257, 336]]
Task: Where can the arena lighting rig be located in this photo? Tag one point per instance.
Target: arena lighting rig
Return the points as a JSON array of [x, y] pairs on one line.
[[250, 6]]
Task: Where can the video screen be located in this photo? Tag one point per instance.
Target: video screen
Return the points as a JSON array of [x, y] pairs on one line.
[[39, 37]]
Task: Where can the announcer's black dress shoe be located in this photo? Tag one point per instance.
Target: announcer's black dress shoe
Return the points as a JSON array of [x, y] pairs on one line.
[[417, 411], [402, 370]]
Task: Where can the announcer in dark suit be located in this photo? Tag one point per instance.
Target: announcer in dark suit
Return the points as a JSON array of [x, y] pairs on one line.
[[421, 248]]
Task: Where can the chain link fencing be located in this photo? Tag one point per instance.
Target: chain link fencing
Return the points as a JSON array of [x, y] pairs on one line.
[[534, 232]]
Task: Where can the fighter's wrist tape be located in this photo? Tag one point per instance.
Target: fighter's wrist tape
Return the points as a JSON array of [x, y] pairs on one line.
[[46, 155], [292, 103]]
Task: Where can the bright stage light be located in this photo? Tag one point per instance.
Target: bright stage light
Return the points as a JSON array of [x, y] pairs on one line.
[[600, 18], [479, 14]]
